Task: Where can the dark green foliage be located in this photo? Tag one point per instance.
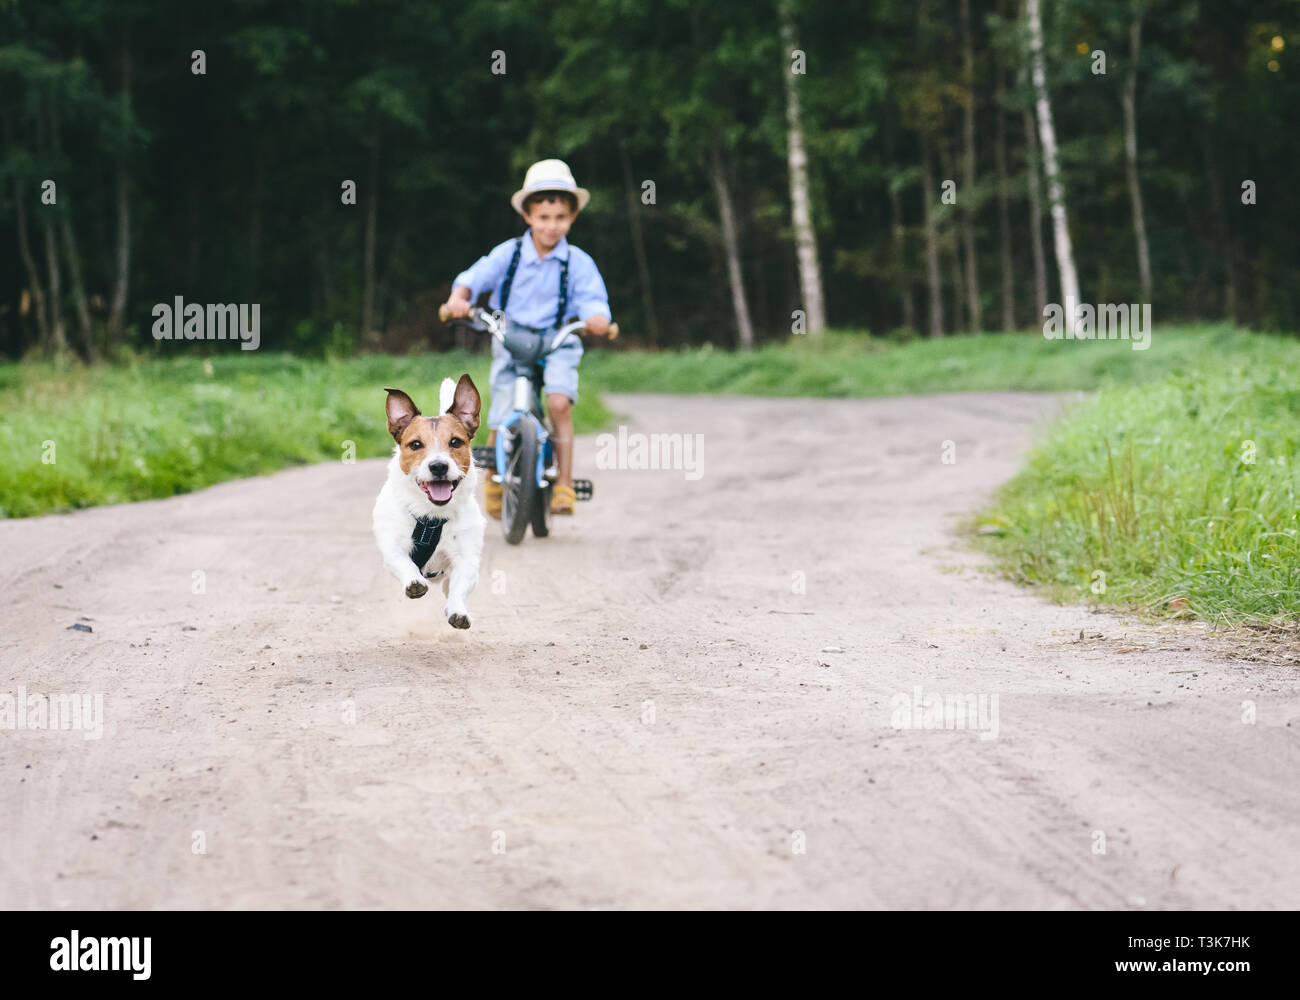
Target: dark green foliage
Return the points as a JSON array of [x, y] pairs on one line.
[[234, 177]]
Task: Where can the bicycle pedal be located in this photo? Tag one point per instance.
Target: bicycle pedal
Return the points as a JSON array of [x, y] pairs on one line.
[[485, 457], [583, 488]]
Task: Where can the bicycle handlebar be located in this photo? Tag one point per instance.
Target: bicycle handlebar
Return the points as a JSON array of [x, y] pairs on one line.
[[491, 322]]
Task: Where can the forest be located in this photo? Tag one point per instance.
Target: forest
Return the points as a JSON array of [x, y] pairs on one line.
[[927, 168]]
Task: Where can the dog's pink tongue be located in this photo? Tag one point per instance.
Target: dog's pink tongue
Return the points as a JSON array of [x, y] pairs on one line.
[[438, 491]]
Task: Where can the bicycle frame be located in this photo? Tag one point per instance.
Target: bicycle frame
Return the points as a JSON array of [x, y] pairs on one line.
[[527, 401], [526, 407]]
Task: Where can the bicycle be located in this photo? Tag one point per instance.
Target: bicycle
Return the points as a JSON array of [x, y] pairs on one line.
[[523, 461]]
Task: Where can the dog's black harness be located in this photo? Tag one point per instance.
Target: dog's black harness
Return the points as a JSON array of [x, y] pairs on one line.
[[425, 538]]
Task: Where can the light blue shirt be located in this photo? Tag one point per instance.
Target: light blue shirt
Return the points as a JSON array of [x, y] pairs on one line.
[[535, 292]]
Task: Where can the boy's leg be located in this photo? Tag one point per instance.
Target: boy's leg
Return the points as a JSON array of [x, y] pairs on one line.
[[561, 410], [501, 379], [560, 383], [492, 490], [502, 382]]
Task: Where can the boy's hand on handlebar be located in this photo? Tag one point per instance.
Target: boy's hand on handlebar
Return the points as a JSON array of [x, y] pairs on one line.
[[598, 325], [455, 307]]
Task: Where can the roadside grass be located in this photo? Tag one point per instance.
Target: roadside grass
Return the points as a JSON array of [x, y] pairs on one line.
[[158, 427], [1173, 498], [845, 364]]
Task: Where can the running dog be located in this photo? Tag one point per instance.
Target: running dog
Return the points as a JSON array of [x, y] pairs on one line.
[[427, 519]]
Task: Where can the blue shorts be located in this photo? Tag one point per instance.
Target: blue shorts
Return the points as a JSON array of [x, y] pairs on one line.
[[560, 367]]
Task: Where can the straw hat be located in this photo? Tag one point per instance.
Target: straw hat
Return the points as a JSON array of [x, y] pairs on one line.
[[549, 175]]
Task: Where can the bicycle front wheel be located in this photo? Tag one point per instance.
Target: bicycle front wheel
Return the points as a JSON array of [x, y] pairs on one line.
[[519, 481]]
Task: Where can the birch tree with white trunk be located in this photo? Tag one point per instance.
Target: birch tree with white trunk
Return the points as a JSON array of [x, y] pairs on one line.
[[1055, 192], [805, 237]]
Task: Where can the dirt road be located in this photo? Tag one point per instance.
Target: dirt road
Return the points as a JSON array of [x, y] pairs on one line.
[[686, 697]]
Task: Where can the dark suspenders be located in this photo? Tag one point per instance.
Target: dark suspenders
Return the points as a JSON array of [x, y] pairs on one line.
[[510, 280], [564, 292]]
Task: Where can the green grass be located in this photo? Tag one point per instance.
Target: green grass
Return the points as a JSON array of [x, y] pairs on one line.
[[1172, 497], [159, 427], [851, 365]]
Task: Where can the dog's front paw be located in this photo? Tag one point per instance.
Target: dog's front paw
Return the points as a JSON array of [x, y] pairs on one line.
[[458, 621], [417, 588]]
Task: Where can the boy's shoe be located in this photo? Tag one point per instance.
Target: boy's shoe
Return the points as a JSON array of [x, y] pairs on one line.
[[492, 499], [562, 499]]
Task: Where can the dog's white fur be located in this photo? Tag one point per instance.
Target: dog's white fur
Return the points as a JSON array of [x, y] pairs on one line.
[[401, 501]]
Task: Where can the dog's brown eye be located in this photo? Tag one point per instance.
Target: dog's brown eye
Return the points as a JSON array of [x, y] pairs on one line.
[[456, 442], [415, 445]]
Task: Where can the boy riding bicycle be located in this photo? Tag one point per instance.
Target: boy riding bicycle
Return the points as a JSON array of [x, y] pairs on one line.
[[536, 280]]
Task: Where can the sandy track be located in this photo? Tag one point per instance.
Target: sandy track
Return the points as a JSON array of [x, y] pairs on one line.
[[225, 711]]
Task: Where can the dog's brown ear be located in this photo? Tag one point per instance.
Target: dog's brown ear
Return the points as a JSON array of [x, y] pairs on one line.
[[401, 411], [465, 404]]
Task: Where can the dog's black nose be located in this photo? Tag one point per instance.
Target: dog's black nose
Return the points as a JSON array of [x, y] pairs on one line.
[[438, 470]]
